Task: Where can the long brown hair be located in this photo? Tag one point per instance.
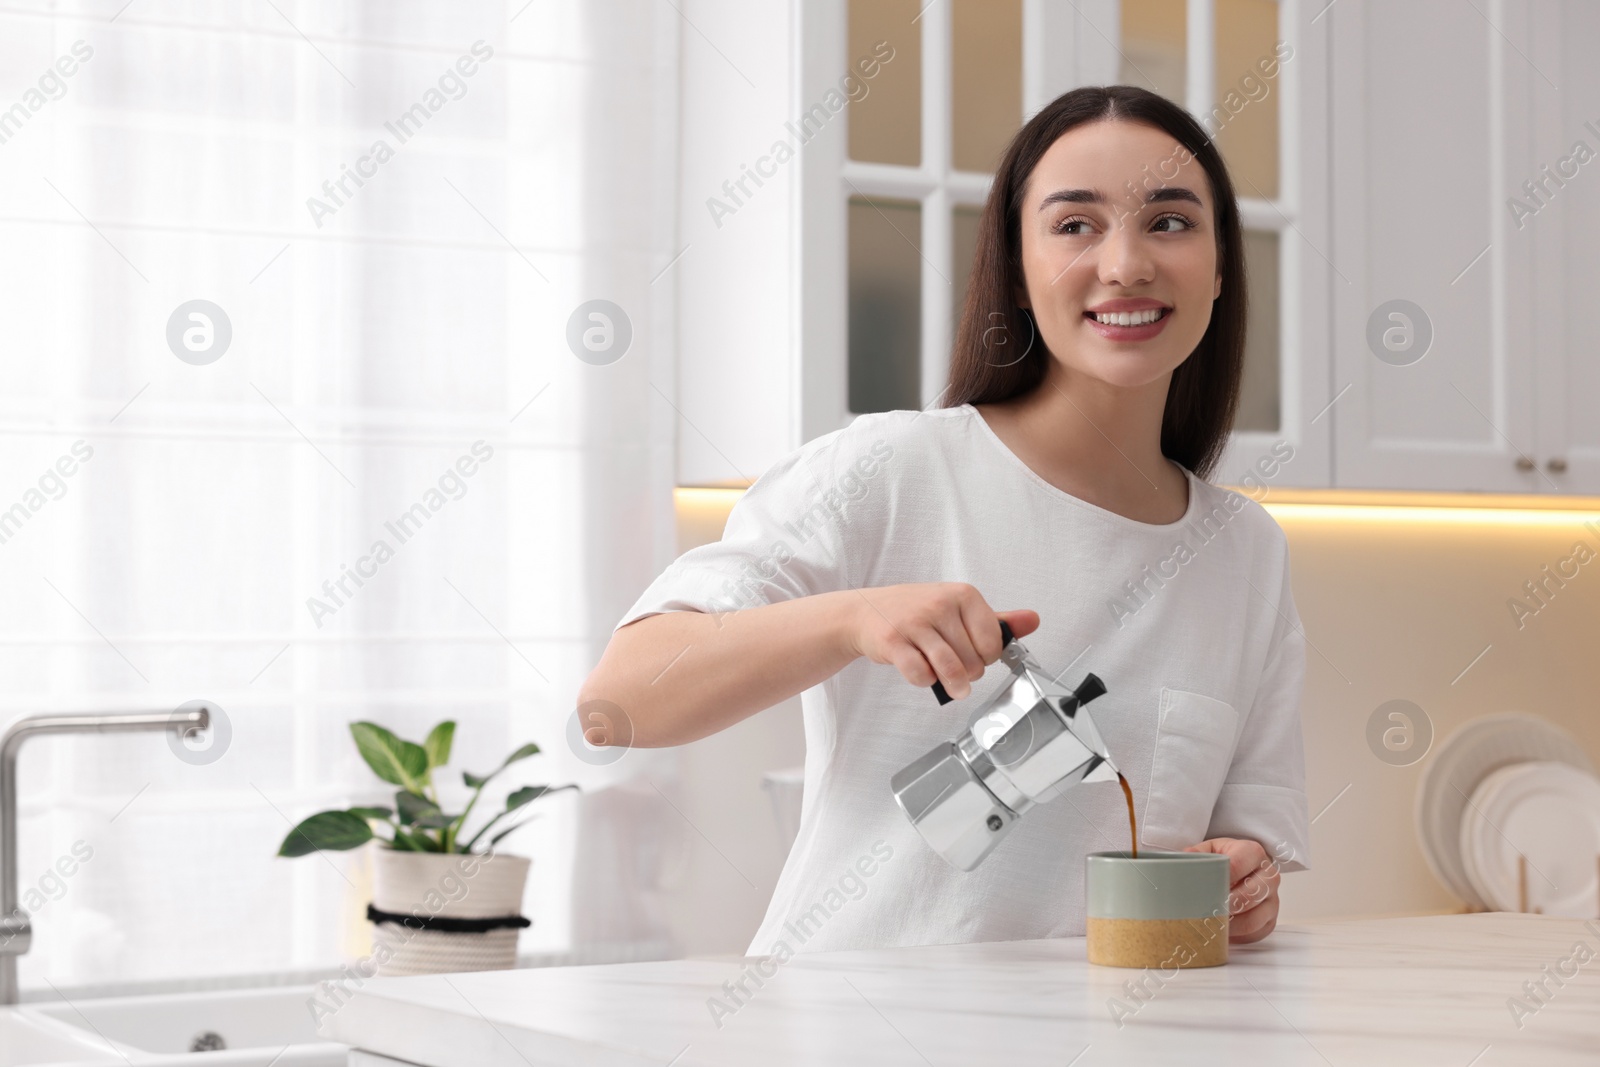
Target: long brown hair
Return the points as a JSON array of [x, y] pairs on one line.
[[1204, 393]]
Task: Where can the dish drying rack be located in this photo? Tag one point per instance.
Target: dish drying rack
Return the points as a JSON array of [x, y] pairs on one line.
[[1522, 892]]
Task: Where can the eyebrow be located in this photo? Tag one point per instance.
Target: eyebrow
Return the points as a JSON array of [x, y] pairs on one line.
[[1094, 196]]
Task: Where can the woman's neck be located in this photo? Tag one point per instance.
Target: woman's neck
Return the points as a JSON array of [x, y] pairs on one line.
[[1098, 442]]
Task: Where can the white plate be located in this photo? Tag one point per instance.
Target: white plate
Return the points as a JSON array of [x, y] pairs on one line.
[[1548, 812], [1477, 827], [1460, 763]]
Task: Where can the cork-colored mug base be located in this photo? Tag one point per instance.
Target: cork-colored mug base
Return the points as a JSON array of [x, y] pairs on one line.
[[1163, 943]]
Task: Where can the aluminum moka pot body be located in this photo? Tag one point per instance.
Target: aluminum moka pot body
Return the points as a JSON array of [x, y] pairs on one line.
[[1030, 740]]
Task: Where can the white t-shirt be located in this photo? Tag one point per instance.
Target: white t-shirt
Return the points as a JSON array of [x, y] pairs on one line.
[[1191, 626]]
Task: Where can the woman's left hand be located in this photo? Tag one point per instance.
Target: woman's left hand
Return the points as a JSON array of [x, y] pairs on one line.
[[1253, 876]]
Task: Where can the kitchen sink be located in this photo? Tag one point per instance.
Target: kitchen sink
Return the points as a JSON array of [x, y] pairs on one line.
[[27, 1040], [233, 1028]]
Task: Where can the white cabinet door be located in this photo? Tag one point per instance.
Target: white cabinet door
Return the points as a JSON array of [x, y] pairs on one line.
[[1561, 217], [1298, 453], [1430, 136]]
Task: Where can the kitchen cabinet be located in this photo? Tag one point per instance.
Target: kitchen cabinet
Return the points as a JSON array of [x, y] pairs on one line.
[[1462, 240], [1564, 230], [1431, 989], [1434, 229], [1275, 77]]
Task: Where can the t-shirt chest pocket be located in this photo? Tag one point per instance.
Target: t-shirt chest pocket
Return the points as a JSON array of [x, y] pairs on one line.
[[1194, 746]]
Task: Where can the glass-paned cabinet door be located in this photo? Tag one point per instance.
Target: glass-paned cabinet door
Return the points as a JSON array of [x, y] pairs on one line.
[[885, 309], [985, 81], [886, 122], [1246, 30], [1261, 391], [1239, 108], [883, 302], [1155, 46], [963, 246], [921, 154]]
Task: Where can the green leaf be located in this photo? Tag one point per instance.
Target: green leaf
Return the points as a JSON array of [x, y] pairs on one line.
[[495, 840], [529, 749], [407, 842], [517, 799], [335, 831], [530, 793], [420, 811], [372, 813], [475, 782], [395, 761], [437, 744], [524, 795]]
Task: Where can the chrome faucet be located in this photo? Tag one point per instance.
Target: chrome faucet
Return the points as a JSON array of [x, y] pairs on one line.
[[15, 929]]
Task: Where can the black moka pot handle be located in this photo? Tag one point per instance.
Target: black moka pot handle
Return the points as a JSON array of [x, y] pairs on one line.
[[1006, 637]]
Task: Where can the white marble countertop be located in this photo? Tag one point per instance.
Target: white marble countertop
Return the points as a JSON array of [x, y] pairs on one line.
[[1413, 991]]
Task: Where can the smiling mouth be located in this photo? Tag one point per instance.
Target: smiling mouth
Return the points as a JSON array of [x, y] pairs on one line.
[[1128, 319]]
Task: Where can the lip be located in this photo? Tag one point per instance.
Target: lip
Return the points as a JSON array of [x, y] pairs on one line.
[[1129, 333], [1128, 303]]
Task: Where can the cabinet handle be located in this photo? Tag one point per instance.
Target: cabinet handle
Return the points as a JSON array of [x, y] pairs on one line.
[[1556, 465], [1524, 463]]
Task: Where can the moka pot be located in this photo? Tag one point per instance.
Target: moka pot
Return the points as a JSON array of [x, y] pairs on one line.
[[1029, 741]]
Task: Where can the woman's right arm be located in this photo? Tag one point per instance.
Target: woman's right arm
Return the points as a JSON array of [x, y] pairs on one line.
[[679, 676]]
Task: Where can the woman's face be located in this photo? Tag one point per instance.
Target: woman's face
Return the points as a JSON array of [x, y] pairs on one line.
[[1091, 241]]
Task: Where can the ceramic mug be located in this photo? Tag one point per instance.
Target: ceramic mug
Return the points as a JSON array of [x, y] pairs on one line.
[[1163, 910]]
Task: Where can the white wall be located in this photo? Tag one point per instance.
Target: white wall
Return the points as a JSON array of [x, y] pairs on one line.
[[1399, 611], [728, 849], [735, 281]]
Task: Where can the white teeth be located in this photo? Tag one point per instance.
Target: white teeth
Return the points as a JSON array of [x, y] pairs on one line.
[[1129, 318]]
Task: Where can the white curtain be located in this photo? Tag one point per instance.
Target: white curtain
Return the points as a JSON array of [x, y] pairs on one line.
[[387, 338]]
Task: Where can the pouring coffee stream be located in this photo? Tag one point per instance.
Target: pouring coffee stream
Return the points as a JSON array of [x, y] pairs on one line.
[[1029, 741], [1133, 823]]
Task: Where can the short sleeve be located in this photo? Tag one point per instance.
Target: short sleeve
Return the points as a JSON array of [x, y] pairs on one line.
[[785, 538], [1263, 797]]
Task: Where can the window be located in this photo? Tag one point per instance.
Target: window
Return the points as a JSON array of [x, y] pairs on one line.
[[379, 329]]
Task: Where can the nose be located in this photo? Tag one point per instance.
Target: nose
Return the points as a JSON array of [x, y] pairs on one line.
[[1125, 255]]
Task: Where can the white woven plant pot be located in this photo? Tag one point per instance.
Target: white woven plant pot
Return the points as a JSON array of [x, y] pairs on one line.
[[430, 884]]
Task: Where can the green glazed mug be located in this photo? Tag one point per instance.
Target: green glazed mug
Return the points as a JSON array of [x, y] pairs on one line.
[[1163, 910]]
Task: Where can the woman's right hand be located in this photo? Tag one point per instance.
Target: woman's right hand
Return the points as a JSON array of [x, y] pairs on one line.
[[932, 631]]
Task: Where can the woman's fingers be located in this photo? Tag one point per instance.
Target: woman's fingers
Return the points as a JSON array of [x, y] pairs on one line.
[[1251, 890], [913, 665], [1256, 923], [1253, 895], [922, 657], [1244, 855], [946, 662], [1022, 621], [931, 632], [957, 649], [961, 634], [980, 627]]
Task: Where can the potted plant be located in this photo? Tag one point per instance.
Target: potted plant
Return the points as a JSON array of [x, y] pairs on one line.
[[442, 901]]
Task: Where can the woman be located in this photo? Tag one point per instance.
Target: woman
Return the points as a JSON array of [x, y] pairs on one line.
[[1062, 483]]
